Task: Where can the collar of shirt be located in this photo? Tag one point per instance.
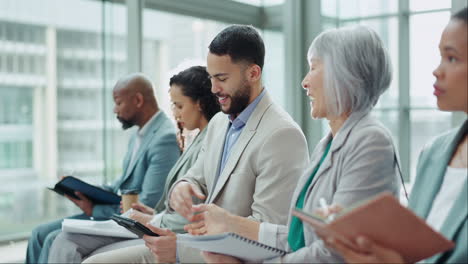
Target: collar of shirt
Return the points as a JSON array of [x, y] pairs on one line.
[[142, 131], [243, 117]]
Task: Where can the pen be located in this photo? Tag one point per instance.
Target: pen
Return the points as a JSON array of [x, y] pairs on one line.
[[324, 205], [326, 211]]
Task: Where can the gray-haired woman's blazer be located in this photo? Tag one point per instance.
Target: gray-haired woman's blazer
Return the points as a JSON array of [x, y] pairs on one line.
[[361, 163]]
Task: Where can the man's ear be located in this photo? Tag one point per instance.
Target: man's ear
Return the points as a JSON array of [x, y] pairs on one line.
[[139, 100], [254, 73]]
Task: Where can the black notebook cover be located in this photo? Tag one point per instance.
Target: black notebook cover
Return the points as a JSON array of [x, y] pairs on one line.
[[69, 185], [133, 226]]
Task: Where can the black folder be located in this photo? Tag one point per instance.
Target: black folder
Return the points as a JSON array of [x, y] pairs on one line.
[[69, 185]]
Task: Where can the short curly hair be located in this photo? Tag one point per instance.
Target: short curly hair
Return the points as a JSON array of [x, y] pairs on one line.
[[196, 85]]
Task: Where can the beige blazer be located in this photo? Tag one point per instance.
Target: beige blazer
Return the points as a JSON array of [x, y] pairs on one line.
[[261, 172], [361, 163]]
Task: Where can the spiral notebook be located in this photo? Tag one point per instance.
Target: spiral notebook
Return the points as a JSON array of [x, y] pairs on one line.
[[231, 244]]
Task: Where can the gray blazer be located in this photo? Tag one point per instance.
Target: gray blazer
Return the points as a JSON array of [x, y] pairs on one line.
[[157, 154], [361, 163], [173, 220], [432, 165], [262, 169]]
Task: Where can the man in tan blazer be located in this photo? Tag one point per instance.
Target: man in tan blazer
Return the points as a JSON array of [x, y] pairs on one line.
[[253, 155], [255, 176]]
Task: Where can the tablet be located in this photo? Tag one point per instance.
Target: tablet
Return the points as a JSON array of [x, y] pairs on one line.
[[133, 226]]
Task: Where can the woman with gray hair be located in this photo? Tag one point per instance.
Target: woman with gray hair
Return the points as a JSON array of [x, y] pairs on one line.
[[440, 191], [349, 70], [356, 70]]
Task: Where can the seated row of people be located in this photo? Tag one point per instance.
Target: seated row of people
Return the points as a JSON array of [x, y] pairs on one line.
[[152, 152], [249, 165], [193, 105], [440, 192], [242, 165]]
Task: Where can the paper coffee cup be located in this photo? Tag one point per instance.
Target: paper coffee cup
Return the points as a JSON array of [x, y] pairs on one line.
[[128, 199]]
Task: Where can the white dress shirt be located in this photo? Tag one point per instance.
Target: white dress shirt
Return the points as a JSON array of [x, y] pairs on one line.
[[450, 189]]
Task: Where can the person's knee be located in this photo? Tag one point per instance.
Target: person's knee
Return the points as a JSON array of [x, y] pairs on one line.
[[61, 237], [61, 241], [49, 239], [35, 233], [39, 233]]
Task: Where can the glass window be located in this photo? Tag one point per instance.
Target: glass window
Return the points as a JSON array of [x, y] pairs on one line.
[[329, 24], [424, 5], [183, 41], [178, 43], [16, 128], [329, 8], [250, 2], [423, 129], [389, 119], [49, 130], [359, 8], [272, 2], [261, 2], [424, 55], [273, 70]]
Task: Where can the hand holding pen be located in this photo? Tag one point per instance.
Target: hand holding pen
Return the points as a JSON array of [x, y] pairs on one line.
[[328, 212]]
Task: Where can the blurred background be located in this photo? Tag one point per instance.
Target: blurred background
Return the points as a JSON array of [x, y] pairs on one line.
[[59, 60]]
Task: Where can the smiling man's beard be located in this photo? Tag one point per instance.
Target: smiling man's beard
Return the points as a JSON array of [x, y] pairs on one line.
[[126, 124], [239, 100]]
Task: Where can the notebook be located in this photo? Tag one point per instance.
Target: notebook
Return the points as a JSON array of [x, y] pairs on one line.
[[384, 220], [99, 228], [70, 184], [231, 244]]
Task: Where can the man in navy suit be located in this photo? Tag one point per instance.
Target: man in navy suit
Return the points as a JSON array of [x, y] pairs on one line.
[[152, 151]]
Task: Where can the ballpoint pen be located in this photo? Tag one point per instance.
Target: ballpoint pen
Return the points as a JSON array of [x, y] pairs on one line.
[[326, 211]]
